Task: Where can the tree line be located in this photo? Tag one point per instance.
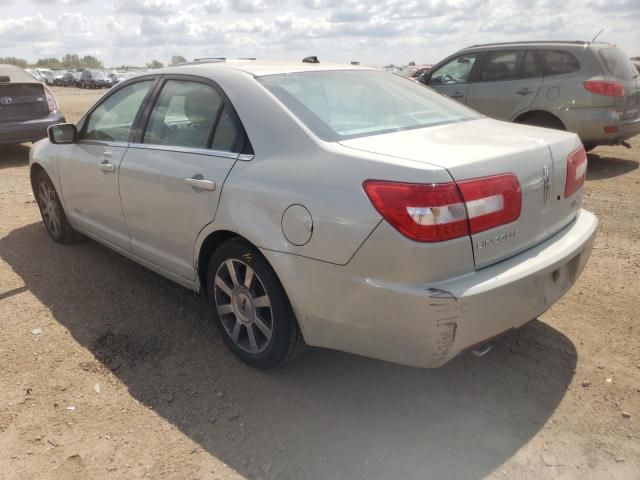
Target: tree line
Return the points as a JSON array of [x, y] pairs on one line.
[[72, 61]]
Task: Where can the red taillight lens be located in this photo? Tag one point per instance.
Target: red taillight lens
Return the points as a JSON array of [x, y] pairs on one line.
[[491, 201], [51, 100], [576, 171], [421, 212], [609, 89], [443, 211]]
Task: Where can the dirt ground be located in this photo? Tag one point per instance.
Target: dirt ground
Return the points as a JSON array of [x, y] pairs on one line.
[[109, 371]]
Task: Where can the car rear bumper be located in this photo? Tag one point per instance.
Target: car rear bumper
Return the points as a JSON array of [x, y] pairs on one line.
[[28, 130], [590, 123], [426, 325]]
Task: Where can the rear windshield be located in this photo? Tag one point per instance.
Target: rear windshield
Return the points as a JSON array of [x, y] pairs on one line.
[[338, 105], [618, 64]]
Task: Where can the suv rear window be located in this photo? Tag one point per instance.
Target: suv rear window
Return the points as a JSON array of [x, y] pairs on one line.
[[618, 64], [558, 62]]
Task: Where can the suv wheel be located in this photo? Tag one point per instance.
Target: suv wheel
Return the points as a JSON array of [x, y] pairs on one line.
[[251, 308]]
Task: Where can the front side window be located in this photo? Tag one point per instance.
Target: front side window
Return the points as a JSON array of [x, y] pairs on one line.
[[455, 71], [337, 105], [184, 115], [499, 66], [557, 62], [114, 117]]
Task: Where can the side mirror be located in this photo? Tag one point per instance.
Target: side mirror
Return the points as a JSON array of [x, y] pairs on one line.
[[62, 133], [424, 78]]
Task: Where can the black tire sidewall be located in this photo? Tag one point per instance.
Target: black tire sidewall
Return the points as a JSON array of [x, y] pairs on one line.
[[66, 232], [283, 319]]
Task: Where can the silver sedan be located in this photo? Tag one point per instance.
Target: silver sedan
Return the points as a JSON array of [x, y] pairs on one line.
[[327, 205]]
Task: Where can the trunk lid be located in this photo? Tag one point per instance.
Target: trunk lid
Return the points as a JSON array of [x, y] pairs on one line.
[[22, 101], [486, 147]]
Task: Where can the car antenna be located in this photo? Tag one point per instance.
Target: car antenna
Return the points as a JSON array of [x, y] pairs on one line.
[[597, 35]]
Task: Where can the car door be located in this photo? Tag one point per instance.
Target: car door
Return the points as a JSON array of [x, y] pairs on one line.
[[453, 77], [172, 176], [506, 84], [89, 168]]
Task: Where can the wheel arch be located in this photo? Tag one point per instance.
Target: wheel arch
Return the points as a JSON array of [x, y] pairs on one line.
[[208, 246], [34, 171], [521, 118]]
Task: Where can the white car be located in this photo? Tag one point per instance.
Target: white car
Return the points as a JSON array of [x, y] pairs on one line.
[[336, 206]]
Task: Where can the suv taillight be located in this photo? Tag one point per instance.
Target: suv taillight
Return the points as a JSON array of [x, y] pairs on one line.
[[576, 171], [443, 211], [609, 89], [51, 100]]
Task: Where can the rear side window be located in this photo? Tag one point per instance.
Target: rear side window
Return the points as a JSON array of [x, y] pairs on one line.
[[184, 115], [558, 62], [499, 66], [617, 63]]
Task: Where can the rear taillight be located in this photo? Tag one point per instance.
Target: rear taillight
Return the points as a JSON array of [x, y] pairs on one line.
[[609, 89], [421, 212], [51, 100], [576, 171], [443, 211], [491, 201]]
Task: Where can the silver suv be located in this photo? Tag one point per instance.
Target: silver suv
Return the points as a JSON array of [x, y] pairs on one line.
[[591, 89]]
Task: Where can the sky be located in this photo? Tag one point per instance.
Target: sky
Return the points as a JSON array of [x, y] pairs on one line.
[[133, 32]]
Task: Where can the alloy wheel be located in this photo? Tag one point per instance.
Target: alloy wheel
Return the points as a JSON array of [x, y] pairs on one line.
[[48, 203], [243, 305]]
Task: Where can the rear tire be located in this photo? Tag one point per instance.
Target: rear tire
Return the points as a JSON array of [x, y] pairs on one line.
[[250, 307], [545, 120], [53, 216]]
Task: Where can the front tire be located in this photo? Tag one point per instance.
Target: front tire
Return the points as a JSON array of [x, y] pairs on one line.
[[250, 307], [53, 215]]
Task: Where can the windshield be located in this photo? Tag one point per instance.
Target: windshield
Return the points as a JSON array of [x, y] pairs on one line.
[[617, 63], [98, 75], [337, 105]]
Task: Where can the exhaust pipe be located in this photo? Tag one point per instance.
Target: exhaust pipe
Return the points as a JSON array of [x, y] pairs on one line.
[[482, 350]]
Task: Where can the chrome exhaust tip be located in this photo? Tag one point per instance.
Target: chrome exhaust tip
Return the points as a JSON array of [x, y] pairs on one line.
[[482, 350]]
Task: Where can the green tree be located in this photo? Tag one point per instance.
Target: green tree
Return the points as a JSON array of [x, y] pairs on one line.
[[176, 59], [18, 62], [155, 64], [49, 62], [89, 61]]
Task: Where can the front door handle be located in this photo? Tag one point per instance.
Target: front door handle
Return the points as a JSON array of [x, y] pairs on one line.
[[524, 91], [105, 166], [200, 183], [457, 95]]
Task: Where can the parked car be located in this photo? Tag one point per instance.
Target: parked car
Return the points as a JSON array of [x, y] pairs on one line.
[[636, 63], [68, 80], [332, 205], [414, 72], [77, 77], [94, 79], [35, 74], [591, 89], [58, 75], [46, 74], [27, 107]]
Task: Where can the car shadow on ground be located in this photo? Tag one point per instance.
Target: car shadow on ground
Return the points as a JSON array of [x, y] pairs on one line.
[[602, 166], [328, 414], [14, 155]]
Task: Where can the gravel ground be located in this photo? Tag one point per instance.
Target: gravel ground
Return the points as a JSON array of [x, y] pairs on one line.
[[109, 371]]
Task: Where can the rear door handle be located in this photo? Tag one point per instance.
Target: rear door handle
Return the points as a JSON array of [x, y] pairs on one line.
[[200, 183], [524, 91], [105, 166]]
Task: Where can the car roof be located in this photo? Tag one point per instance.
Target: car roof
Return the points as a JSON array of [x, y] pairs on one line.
[[545, 43], [16, 74], [260, 68]]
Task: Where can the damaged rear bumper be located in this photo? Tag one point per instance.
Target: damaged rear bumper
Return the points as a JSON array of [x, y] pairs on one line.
[[428, 325]]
